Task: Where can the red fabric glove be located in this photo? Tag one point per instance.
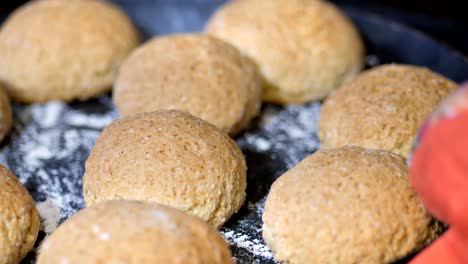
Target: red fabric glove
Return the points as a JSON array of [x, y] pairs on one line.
[[439, 174], [439, 252]]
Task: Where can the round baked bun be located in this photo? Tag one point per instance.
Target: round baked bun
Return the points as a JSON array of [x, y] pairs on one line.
[[6, 114], [303, 48], [383, 108], [168, 157], [63, 49], [346, 205], [134, 232], [194, 73], [19, 220]]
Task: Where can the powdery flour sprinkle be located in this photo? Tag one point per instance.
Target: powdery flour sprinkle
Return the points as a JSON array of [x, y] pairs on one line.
[[47, 151]]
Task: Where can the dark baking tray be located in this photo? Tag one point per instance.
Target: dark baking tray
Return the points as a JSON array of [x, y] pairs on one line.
[[270, 149]]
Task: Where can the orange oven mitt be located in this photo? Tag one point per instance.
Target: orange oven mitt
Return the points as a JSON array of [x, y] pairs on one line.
[[439, 174]]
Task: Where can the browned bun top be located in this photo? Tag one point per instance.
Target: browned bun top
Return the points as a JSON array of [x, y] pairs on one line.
[[346, 205], [169, 157], [303, 48], [195, 73], [19, 220], [383, 108], [63, 49], [134, 232]]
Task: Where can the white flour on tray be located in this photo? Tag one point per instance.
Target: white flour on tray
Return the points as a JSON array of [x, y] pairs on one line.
[[47, 135]]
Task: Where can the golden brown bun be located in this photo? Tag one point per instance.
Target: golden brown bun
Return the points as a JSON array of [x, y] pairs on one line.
[[63, 49], [134, 232], [195, 73], [6, 114], [304, 48], [383, 108], [168, 157], [346, 205], [19, 220]]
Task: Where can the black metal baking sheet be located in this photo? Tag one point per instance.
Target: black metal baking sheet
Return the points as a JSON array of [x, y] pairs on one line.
[[280, 138]]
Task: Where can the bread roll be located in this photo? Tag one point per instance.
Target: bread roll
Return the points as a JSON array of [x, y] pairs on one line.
[[168, 157], [134, 232], [304, 48], [19, 220], [346, 205], [194, 73], [383, 108], [63, 49], [6, 114]]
